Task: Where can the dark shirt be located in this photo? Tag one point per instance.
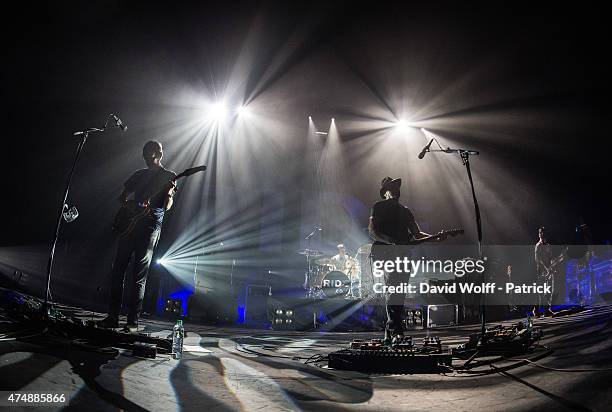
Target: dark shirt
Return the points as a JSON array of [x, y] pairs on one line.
[[394, 220], [146, 184], [543, 256]]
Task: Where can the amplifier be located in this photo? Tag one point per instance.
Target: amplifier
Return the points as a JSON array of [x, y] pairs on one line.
[[442, 315], [256, 305]]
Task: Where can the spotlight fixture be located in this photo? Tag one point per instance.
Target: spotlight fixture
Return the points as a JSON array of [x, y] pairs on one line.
[[161, 261]]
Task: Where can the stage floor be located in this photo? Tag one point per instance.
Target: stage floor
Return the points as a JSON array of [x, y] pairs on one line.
[[239, 369]]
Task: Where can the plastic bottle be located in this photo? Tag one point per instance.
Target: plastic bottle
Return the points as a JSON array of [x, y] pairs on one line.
[[529, 322], [178, 333]]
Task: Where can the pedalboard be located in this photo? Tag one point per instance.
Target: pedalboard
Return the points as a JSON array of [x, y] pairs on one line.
[[403, 356]]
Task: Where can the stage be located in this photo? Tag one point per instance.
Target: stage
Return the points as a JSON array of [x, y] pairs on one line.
[[247, 369], [293, 180]]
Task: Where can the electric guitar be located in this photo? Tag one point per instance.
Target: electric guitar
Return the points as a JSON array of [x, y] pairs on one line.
[[437, 236], [552, 268], [431, 238], [131, 213]]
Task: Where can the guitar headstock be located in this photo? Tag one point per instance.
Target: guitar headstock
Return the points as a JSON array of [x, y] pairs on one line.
[[190, 171]]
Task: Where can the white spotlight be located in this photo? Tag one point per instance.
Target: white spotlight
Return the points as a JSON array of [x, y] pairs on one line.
[[218, 111], [161, 261], [242, 110], [402, 124]]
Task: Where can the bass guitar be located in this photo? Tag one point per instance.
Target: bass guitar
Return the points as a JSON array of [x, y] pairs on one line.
[[131, 213]]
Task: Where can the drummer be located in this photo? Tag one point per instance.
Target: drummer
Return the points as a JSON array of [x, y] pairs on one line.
[[342, 261]]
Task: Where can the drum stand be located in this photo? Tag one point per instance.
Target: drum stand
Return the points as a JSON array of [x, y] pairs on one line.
[[310, 254], [351, 276]]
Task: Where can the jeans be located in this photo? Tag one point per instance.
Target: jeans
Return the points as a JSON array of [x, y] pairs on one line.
[[546, 299], [141, 243], [394, 302]]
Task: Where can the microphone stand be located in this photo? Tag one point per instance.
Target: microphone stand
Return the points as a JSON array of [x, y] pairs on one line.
[[83, 135], [465, 159]]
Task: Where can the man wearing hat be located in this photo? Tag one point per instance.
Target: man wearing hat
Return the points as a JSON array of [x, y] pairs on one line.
[[392, 223]]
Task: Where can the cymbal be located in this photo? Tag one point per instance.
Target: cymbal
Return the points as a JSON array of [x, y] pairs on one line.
[[367, 248], [323, 261], [310, 252]]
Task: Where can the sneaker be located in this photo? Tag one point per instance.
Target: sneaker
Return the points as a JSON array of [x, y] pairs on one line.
[[109, 322], [131, 327], [393, 339], [397, 339], [388, 338]]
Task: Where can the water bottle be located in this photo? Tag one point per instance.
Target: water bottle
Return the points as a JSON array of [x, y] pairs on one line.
[[529, 322], [177, 339]]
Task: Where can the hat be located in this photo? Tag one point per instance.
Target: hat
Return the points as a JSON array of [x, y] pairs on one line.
[[389, 183]]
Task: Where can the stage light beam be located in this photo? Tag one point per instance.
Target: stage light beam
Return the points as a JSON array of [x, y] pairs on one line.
[[242, 111]]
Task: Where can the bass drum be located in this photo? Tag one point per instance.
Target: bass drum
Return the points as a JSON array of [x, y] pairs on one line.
[[335, 284]]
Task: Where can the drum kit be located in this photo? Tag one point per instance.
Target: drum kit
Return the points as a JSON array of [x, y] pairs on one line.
[[329, 277]]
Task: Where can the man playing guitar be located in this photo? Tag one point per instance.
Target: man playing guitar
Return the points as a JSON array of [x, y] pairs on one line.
[[545, 272], [153, 189], [392, 223]]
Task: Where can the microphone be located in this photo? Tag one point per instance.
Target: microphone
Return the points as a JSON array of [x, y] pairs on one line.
[[314, 232], [119, 123], [425, 149]]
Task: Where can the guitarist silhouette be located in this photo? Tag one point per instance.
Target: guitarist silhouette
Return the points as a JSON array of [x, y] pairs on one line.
[[153, 189], [392, 223]]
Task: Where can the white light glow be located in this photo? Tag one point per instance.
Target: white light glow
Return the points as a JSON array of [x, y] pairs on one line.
[[402, 124], [242, 111], [218, 111]]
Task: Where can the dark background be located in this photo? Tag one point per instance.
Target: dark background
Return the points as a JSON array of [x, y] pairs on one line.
[[526, 86]]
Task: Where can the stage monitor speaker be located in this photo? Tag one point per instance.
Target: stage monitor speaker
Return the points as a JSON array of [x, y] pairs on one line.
[[442, 315]]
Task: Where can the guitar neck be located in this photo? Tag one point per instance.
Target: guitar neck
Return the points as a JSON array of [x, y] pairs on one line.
[[430, 238], [159, 192], [424, 239]]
